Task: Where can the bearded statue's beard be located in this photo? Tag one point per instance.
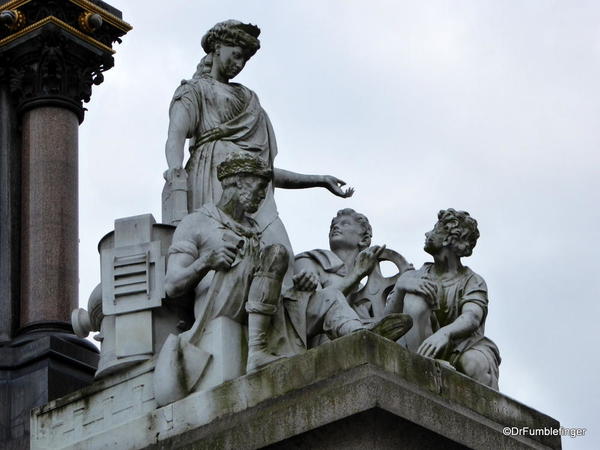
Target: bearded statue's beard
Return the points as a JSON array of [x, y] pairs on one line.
[[246, 199]]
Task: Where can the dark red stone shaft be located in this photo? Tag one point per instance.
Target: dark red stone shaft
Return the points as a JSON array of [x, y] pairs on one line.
[[49, 233]]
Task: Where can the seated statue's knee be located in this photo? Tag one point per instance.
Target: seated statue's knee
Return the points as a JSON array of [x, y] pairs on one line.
[[275, 260], [475, 365], [330, 294], [415, 306]]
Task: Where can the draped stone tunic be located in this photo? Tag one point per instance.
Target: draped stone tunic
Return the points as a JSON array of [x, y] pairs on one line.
[[220, 293], [464, 287], [236, 111]]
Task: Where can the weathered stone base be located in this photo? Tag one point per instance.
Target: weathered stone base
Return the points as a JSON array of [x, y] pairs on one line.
[[35, 369], [358, 392], [371, 429]]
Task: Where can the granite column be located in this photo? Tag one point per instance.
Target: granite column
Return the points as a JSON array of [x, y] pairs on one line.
[[49, 232]]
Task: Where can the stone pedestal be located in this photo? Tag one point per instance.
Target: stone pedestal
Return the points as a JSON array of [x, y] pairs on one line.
[[174, 200], [358, 392], [35, 369], [227, 342]]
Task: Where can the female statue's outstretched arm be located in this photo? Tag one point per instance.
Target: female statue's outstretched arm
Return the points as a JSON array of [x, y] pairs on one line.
[[286, 179]]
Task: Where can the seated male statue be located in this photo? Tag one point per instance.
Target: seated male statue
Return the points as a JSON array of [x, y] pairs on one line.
[[449, 302], [247, 278], [348, 261]]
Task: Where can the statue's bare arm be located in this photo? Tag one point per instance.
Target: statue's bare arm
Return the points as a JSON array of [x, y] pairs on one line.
[[363, 266], [184, 273], [179, 131], [306, 274], [365, 263], [412, 282], [286, 179], [344, 284], [464, 325], [468, 321]]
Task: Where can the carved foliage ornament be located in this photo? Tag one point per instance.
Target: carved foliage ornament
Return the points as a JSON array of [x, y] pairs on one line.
[[54, 51], [55, 70]]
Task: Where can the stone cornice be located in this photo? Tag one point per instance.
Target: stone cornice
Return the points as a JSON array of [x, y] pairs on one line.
[[59, 23], [85, 5], [72, 14]]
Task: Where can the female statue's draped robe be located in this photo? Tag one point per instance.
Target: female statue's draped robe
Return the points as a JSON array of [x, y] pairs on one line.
[[245, 126]]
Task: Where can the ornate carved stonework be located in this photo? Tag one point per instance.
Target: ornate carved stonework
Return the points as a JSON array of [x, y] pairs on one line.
[[52, 52]]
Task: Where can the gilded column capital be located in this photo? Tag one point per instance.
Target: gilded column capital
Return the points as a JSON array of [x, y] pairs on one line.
[[53, 51]]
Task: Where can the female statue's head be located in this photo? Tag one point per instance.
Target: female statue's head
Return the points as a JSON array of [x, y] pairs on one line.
[[233, 43], [456, 230]]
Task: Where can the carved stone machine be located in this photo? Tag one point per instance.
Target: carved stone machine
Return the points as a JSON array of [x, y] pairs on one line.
[[127, 308]]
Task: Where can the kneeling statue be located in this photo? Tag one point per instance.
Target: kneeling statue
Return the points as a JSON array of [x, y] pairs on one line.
[[448, 302]]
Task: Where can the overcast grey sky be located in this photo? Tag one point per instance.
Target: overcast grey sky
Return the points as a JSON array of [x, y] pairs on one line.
[[488, 106]]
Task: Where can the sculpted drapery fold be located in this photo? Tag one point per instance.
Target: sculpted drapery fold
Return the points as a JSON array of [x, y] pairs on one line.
[[245, 126]]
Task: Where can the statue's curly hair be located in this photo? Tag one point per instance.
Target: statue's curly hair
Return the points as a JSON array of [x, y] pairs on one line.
[[232, 33], [361, 219], [462, 230]]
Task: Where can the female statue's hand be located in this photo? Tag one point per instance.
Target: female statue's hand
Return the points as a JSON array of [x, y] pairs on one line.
[[334, 185], [173, 173]]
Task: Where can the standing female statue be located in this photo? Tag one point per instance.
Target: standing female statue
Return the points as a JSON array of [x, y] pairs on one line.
[[220, 117]]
